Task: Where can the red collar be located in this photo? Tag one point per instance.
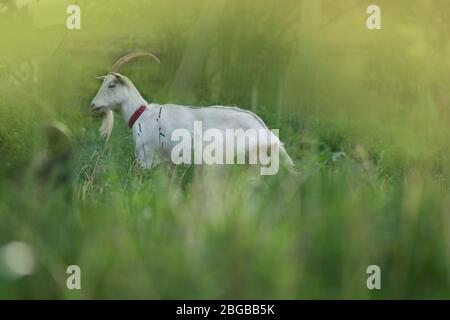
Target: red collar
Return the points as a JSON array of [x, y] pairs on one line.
[[136, 115]]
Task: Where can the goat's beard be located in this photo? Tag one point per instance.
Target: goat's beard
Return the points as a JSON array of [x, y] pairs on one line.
[[107, 124]]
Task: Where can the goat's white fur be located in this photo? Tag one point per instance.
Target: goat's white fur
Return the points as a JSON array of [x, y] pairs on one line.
[[117, 91]]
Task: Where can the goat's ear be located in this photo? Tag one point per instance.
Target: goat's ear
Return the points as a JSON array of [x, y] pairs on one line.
[[119, 77], [100, 78]]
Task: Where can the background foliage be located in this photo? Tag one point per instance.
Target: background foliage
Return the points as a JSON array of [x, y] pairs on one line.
[[363, 113]]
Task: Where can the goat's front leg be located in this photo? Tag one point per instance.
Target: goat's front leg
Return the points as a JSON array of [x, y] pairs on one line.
[[147, 156]]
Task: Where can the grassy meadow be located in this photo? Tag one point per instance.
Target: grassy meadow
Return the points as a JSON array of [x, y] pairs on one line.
[[364, 114]]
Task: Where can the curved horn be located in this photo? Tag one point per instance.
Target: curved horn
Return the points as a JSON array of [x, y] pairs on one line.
[[129, 57]]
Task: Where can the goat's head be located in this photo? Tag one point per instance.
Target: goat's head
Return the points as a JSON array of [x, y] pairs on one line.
[[114, 91]]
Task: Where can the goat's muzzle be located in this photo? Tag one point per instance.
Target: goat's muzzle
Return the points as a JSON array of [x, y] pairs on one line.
[[95, 108]]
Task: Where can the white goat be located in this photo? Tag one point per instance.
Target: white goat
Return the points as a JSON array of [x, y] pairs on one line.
[[154, 125]]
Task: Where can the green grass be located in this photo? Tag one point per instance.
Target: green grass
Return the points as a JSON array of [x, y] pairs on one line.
[[380, 97]]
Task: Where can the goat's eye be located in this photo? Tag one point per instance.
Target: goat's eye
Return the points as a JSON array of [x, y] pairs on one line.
[[112, 85]]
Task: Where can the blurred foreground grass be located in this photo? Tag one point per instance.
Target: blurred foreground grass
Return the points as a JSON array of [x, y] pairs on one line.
[[309, 68]]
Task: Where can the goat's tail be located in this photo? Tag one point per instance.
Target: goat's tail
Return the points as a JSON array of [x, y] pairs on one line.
[[107, 124], [288, 163]]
